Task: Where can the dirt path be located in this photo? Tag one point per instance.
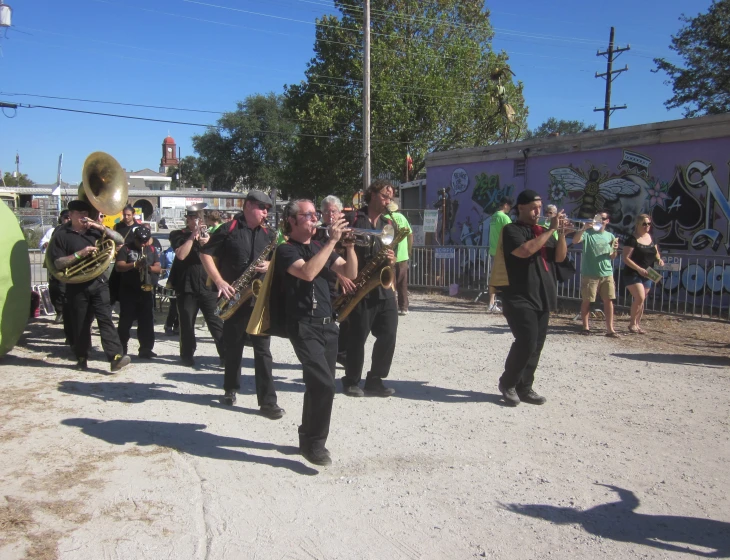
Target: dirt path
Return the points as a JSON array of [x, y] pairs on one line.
[[628, 459]]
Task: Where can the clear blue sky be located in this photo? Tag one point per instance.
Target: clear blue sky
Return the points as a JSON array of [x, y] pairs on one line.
[[192, 54]]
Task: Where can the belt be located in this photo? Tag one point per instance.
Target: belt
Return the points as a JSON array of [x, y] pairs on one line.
[[316, 320]]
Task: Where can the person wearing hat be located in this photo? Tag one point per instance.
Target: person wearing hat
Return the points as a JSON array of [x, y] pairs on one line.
[[529, 294], [188, 279], [136, 303], [86, 300], [402, 255], [235, 246]]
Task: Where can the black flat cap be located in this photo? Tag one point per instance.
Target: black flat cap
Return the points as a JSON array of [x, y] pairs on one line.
[[259, 196], [79, 206]]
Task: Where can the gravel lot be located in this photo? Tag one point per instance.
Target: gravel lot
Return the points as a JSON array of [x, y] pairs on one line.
[[628, 458]]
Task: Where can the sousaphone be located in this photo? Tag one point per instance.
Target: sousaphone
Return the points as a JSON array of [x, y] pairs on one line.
[[104, 187]]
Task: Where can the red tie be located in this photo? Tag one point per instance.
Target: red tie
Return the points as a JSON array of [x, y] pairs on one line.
[[538, 231]]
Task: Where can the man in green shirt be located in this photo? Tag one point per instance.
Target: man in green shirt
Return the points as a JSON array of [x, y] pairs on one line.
[[596, 270], [498, 220], [402, 255]]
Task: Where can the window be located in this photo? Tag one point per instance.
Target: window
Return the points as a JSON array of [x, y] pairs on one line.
[[519, 170]]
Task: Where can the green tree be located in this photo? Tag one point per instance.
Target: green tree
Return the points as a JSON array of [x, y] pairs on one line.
[[248, 148], [702, 87], [435, 86], [561, 127], [189, 173], [21, 180]]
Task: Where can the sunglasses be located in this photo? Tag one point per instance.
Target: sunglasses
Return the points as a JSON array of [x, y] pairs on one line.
[[646, 223], [262, 206]]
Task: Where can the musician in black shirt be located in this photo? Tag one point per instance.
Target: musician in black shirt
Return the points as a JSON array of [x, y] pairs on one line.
[[137, 301], [377, 312], [303, 265], [188, 279], [236, 245], [70, 244]]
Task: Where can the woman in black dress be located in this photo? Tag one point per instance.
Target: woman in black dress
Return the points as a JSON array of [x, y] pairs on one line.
[[640, 252]]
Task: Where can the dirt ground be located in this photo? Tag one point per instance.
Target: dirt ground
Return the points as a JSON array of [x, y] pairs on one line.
[[628, 458]]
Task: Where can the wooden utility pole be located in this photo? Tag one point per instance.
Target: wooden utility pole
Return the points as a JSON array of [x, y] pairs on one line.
[[366, 96], [611, 54]]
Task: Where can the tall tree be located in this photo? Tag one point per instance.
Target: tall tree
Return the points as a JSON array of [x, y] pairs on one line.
[[21, 180], [436, 85], [702, 87], [187, 174], [247, 149], [561, 127]]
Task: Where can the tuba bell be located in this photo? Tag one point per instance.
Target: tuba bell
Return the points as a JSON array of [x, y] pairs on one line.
[[104, 187]]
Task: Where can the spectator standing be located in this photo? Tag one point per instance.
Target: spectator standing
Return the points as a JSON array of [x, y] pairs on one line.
[[497, 222], [402, 256]]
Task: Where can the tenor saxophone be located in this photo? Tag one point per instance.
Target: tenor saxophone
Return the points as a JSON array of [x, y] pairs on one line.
[[244, 285], [377, 272]]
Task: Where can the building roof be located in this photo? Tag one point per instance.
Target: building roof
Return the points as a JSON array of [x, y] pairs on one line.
[[169, 140], [147, 172], [71, 191]]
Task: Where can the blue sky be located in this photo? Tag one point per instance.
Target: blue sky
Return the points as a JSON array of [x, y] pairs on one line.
[[196, 55]]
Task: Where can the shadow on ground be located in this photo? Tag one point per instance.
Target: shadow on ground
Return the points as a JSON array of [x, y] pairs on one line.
[[187, 438], [618, 521], [684, 359]]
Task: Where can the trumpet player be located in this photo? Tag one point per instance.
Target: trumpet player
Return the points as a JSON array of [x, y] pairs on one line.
[[85, 301], [138, 265], [188, 279], [529, 252], [301, 267], [236, 245], [377, 312]]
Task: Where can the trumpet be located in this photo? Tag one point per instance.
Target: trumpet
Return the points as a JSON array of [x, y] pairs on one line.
[[363, 237], [573, 224]]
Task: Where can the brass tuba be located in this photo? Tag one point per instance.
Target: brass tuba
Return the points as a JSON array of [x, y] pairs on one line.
[[105, 189]]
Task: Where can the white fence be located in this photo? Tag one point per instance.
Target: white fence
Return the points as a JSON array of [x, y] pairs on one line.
[[692, 285]]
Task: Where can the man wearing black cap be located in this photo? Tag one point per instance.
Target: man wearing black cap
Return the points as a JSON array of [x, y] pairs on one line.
[[188, 279], [236, 245], [136, 261], [70, 244], [529, 252]]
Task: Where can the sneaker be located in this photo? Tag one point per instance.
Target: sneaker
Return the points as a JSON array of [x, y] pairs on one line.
[[120, 361], [495, 309], [318, 456], [190, 362], [169, 331], [147, 354], [353, 391], [531, 397], [272, 411], [81, 364], [510, 395], [374, 387], [403, 312], [229, 398]]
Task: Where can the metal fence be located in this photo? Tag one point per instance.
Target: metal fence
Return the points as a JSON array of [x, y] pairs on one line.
[[692, 285]]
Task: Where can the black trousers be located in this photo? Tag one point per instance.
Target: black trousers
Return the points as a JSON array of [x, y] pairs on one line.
[[172, 321], [234, 340], [57, 291], [137, 306], [377, 316], [342, 340], [85, 304], [316, 348], [529, 328], [188, 305]]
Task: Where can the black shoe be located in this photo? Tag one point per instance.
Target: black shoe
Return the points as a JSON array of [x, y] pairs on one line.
[[190, 362], [318, 456], [531, 397], [120, 361], [229, 398], [222, 362], [374, 388], [59, 318], [272, 411], [510, 395], [81, 364], [147, 354], [352, 391], [342, 359]]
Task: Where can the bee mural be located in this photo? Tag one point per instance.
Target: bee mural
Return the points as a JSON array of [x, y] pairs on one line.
[[597, 189]]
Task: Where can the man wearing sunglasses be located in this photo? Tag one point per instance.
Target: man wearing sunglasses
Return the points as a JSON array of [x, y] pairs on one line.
[[596, 270], [235, 246]]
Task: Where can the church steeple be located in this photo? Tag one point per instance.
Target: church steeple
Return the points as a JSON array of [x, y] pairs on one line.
[[169, 154]]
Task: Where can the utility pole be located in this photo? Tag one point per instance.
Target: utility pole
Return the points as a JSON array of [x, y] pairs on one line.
[[366, 96], [611, 54]]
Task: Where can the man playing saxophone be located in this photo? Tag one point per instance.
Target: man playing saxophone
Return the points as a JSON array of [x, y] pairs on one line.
[[301, 267], [236, 245], [71, 244], [375, 313]]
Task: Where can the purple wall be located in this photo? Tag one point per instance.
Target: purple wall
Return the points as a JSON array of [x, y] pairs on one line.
[[683, 186]]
